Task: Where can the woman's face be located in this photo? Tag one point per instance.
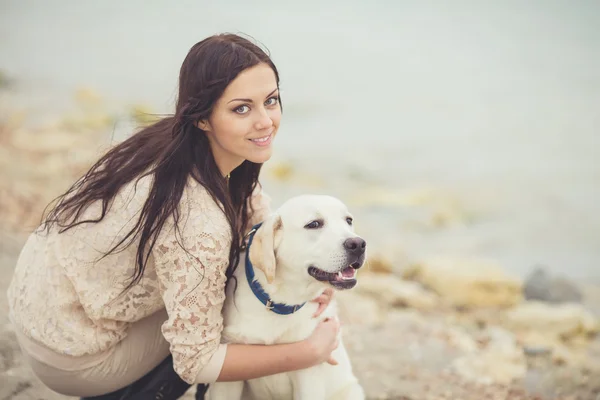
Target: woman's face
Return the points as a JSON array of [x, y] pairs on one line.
[[244, 121]]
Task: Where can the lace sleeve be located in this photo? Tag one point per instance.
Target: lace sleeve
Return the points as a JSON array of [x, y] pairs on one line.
[[260, 207], [190, 265]]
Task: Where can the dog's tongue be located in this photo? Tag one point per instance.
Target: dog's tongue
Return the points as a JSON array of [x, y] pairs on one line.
[[347, 273]]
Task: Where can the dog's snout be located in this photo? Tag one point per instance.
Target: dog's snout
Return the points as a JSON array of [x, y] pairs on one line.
[[355, 245]]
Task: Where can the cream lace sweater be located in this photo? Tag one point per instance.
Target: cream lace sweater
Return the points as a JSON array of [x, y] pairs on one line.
[[64, 300]]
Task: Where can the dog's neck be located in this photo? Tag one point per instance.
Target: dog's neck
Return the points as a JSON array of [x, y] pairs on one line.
[[285, 290], [283, 295]]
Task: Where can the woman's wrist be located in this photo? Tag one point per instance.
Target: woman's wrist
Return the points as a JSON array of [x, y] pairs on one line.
[[308, 355]]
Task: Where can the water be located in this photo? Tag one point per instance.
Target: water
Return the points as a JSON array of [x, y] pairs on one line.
[[498, 103]]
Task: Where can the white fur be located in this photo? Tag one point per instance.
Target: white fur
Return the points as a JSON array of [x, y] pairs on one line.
[[284, 249]]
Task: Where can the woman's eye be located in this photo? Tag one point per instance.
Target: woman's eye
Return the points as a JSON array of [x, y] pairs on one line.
[[242, 109], [272, 101], [313, 225], [349, 220]]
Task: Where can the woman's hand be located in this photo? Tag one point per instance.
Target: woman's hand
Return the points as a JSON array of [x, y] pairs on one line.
[[324, 340], [323, 300]]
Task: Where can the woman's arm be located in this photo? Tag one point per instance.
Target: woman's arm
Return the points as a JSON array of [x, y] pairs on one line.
[[246, 361], [243, 362]]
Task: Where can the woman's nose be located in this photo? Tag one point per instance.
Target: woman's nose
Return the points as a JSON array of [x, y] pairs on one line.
[[264, 120]]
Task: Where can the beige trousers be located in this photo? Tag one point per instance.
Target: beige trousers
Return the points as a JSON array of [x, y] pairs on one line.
[[136, 355]]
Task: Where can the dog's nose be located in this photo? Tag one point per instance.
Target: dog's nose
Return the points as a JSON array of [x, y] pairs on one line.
[[355, 245]]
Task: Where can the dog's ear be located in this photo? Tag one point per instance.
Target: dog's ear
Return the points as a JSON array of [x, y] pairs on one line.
[[262, 251]]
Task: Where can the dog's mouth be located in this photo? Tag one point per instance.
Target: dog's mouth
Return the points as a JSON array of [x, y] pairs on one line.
[[344, 279]]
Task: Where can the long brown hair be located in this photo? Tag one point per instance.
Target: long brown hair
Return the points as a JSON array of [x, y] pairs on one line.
[[173, 150]]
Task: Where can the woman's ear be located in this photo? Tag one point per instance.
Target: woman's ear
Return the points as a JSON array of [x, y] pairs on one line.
[[203, 125]]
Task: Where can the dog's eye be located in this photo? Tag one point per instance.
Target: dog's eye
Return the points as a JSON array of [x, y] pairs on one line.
[[349, 220], [314, 224]]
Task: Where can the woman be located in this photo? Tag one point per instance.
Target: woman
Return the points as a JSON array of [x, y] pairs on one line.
[[118, 294]]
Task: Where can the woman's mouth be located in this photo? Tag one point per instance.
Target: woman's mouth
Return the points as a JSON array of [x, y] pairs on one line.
[[262, 141]]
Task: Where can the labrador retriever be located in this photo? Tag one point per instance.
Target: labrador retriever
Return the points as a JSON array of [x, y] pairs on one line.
[[305, 246]]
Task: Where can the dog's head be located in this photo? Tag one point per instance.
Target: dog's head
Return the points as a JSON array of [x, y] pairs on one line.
[[309, 239]]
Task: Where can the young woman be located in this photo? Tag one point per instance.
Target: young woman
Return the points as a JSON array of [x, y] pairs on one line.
[[118, 293]]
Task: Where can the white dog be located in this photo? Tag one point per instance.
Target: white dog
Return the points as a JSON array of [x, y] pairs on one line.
[[307, 245]]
